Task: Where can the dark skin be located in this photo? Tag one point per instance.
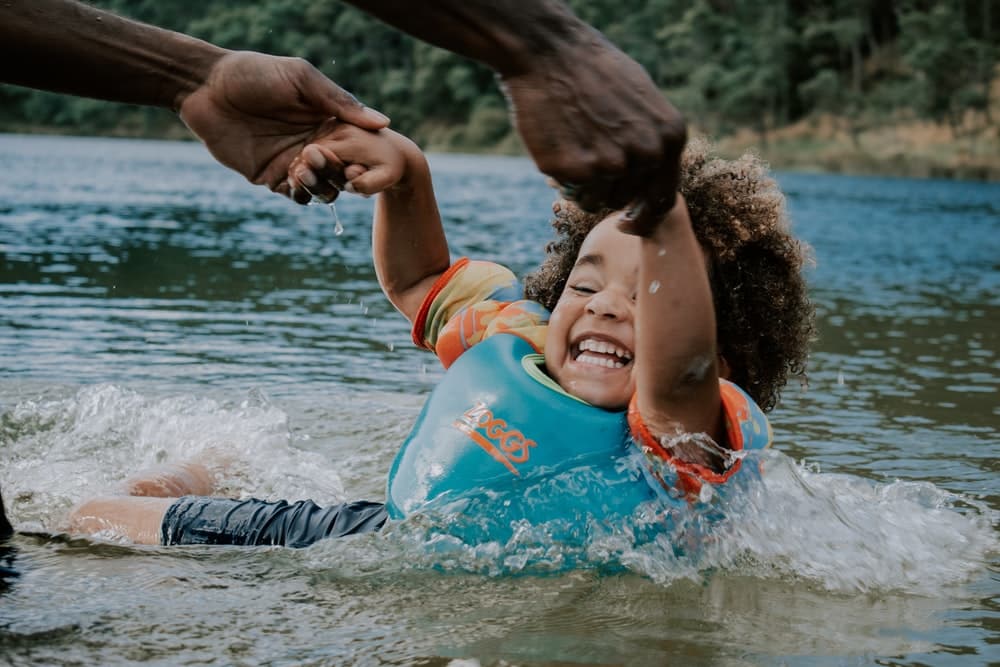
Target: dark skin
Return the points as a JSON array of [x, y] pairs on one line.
[[590, 116], [254, 112], [259, 135]]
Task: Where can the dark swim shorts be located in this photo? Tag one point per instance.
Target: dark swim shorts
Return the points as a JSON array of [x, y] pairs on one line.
[[202, 520]]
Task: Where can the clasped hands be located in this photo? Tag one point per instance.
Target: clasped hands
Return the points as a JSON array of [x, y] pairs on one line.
[[594, 122]]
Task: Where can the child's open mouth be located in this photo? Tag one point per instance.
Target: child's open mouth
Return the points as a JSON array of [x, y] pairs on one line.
[[606, 354]]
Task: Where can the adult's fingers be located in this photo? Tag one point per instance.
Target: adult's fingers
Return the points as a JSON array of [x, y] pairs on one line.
[[593, 195], [645, 211], [326, 165], [316, 173], [656, 197], [642, 216], [327, 96], [641, 175]]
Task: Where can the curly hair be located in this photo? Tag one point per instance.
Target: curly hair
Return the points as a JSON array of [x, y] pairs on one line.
[[764, 318]]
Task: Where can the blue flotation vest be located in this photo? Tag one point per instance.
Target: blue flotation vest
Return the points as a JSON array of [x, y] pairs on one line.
[[500, 449]]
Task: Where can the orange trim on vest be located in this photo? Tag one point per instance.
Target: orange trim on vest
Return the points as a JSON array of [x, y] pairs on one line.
[[691, 475], [417, 332]]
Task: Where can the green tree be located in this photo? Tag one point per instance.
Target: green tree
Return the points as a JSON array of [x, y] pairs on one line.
[[727, 64], [947, 60]]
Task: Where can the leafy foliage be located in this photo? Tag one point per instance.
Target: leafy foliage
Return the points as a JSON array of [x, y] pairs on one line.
[[728, 64]]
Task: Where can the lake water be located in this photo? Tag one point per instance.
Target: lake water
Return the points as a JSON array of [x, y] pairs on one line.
[[154, 307]]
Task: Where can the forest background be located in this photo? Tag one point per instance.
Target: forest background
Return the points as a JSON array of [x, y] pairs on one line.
[[904, 87]]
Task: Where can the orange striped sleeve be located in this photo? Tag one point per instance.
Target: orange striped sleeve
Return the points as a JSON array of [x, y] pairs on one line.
[[746, 427], [460, 306]]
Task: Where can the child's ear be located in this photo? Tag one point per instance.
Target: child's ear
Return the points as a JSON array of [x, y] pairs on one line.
[[724, 370]]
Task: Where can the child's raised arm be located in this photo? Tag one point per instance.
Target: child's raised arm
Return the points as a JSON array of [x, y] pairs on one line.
[[408, 242], [677, 383]]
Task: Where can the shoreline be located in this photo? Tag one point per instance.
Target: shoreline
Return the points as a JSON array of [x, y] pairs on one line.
[[818, 145], [912, 149]]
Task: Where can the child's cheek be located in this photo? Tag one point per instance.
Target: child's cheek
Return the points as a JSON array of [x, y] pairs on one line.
[[555, 334]]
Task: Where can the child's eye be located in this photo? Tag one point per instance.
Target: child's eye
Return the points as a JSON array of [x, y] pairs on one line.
[[582, 289]]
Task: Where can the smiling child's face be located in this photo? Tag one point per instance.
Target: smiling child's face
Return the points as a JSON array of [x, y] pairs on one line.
[[590, 345]]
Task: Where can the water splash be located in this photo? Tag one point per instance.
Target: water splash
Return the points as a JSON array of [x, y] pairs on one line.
[[792, 524], [696, 448], [69, 448], [847, 533]]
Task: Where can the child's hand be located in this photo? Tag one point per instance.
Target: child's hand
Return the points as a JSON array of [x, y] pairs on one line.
[[348, 158]]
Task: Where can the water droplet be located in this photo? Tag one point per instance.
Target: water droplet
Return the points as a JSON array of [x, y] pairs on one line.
[[840, 378], [392, 347], [662, 252], [654, 287], [706, 493], [338, 228]]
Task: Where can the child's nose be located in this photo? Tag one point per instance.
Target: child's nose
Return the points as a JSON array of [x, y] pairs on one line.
[[607, 303]]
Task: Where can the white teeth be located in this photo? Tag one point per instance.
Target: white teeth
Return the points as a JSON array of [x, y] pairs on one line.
[[603, 347], [599, 361]]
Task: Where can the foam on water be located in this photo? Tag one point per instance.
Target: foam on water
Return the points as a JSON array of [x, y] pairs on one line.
[[837, 532], [67, 449], [851, 534]]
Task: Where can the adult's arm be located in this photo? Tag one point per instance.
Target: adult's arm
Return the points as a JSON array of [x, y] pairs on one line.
[[589, 115], [254, 112]]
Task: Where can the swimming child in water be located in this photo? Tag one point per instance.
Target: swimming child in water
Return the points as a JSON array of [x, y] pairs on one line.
[[661, 345]]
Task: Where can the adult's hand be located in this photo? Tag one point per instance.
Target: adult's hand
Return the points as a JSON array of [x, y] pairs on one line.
[[253, 111], [256, 112], [595, 122], [590, 116]]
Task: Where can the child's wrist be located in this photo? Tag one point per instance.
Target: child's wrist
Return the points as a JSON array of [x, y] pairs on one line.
[[416, 171]]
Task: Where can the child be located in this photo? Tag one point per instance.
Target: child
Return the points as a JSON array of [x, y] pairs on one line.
[[618, 343]]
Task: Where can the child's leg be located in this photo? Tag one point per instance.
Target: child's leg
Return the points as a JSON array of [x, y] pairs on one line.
[[138, 516], [135, 518], [172, 480]]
